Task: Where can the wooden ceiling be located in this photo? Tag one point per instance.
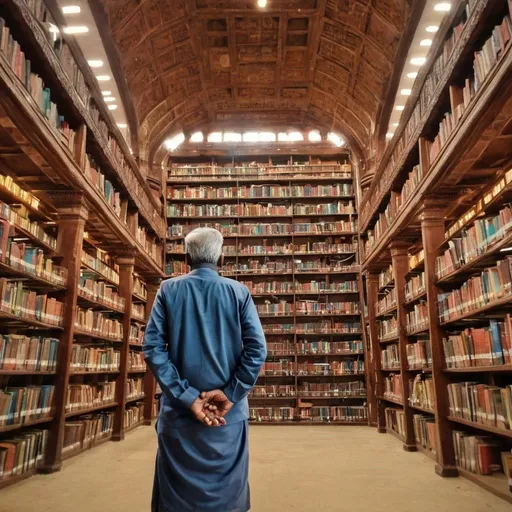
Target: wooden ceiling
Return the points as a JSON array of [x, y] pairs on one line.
[[300, 63]]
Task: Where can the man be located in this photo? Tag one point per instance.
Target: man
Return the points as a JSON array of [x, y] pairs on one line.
[[205, 345]]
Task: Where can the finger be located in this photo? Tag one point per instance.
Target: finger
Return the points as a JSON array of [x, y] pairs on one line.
[[203, 394]]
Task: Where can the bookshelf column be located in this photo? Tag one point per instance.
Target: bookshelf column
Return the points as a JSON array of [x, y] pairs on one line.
[[72, 217], [152, 286], [374, 382], [400, 261], [433, 234], [126, 262]]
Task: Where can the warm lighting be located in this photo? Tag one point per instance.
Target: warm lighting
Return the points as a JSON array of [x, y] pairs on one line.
[[267, 137], [395, 124], [405, 92], [122, 125], [174, 142], [389, 135], [112, 107], [232, 137], [215, 137], [295, 137], [283, 137], [103, 78], [262, 3], [426, 42], [106, 93], [443, 7], [414, 74], [399, 108], [251, 137], [314, 136], [335, 139], [418, 61], [95, 63], [197, 137], [109, 99], [71, 9], [432, 29], [77, 29]]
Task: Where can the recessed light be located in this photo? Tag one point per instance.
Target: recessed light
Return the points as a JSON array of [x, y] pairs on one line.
[[112, 107], [426, 42], [432, 28], [71, 9], [443, 7], [102, 78], [95, 63], [395, 124], [389, 135], [106, 93], [76, 29], [109, 99], [414, 74], [399, 107], [418, 61], [405, 92], [122, 125], [262, 3]]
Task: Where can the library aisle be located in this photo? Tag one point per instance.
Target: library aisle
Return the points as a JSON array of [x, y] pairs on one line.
[[292, 470]]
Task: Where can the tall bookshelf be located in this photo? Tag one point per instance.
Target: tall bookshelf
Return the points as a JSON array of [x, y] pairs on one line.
[[78, 228], [290, 236], [434, 236]]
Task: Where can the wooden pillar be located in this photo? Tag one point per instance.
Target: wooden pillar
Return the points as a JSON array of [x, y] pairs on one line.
[[152, 286], [72, 217], [432, 230], [126, 262], [374, 380], [400, 262]]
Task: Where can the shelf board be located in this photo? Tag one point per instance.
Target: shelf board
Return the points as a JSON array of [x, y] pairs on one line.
[[110, 405], [71, 454], [135, 399], [387, 312], [426, 452], [139, 298], [427, 369], [395, 434], [79, 332], [392, 339], [480, 426], [387, 286], [312, 375], [318, 354], [293, 397], [82, 298], [10, 271], [391, 400], [491, 305], [134, 426], [416, 298], [13, 319], [94, 372], [481, 369], [423, 330], [256, 199], [396, 369], [497, 484], [422, 409], [135, 319], [137, 371], [18, 426], [5, 482], [224, 178], [310, 423], [87, 269], [135, 345], [25, 372]]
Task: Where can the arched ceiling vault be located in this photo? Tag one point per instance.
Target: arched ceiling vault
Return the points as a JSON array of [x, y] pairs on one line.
[[323, 63]]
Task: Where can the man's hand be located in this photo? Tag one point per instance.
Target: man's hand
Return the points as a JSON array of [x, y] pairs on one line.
[[217, 401], [203, 414]]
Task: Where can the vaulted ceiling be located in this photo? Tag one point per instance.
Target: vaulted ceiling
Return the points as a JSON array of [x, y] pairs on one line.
[[322, 63]]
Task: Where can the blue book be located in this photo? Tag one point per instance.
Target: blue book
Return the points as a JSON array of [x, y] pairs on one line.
[[497, 352]]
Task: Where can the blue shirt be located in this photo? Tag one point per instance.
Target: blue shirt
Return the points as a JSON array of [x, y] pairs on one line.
[[204, 333]]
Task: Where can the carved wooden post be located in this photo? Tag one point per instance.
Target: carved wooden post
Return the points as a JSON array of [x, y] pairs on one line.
[[400, 262], [71, 221], [432, 230]]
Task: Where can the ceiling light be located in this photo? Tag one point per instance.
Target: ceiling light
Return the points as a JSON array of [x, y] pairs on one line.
[[426, 42], [215, 137], [443, 7], [262, 3], [122, 125], [112, 107], [418, 61], [295, 137], [414, 74], [76, 29], [95, 63], [106, 93], [197, 137], [432, 28], [314, 136], [267, 137], [251, 137], [405, 92], [232, 137], [173, 143], [395, 124], [283, 137], [389, 135], [335, 139], [102, 78], [399, 108], [109, 99], [71, 9]]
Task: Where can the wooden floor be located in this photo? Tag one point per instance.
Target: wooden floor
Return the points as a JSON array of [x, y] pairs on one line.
[[299, 469]]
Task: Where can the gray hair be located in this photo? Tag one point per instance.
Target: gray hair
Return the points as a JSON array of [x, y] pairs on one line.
[[204, 245]]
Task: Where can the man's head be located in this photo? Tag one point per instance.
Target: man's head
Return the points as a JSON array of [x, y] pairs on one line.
[[204, 245]]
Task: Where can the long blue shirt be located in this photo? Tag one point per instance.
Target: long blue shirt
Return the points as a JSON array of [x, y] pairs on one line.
[[204, 333]]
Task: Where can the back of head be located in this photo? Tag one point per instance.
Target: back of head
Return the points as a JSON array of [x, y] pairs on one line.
[[204, 245]]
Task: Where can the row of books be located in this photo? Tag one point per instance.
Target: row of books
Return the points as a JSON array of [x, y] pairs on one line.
[[7, 184], [19, 301], [147, 242], [22, 453], [425, 432], [484, 346], [176, 268], [309, 308], [320, 327], [133, 415], [478, 291], [97, 323], [136, 333], [102, 263], [86, 431], [417, 318], [261, 229], [134, 388], [390, 357], [20, 405], [136, 361], [416, 259], [480, 403], [328, 347], [349, 414], [32, 260], [386, 277], [298, 287], [393, 387], [415, 286], [287, 267], [474, 241], [419, 355], [260, 191], [286, 367], [139, 312], [387, 329], [421, 392], [100, 291], [139, 287], [395, 420], [92, 359], [85, 396], [387, 302], [310, 389], [28, 353]]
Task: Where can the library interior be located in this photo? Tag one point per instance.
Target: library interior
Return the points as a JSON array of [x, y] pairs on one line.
[[355, 155]]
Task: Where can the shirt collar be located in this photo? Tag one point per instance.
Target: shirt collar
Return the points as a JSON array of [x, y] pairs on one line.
[[209, 266]]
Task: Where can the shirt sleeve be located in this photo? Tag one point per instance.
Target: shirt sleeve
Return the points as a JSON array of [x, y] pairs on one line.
[[254, 352], [157, 356]]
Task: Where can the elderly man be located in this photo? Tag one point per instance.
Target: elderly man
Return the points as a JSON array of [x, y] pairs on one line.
[[205, 345]]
